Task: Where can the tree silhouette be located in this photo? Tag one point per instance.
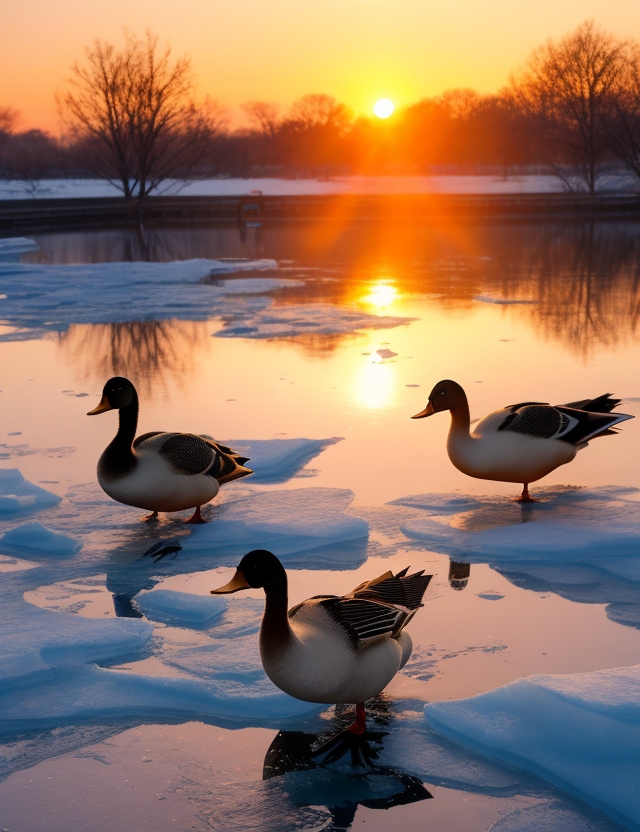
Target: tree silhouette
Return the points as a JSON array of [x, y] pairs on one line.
[[566, 88], [130, 116]]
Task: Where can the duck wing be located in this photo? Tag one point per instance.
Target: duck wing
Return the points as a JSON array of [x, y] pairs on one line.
[[568, 423], [188, 453], [536, 419], [378, 608]]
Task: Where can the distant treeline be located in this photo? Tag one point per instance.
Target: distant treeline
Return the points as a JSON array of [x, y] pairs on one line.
[[573, 109]]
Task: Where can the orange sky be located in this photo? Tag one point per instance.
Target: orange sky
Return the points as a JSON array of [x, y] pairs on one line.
[[279, 50]]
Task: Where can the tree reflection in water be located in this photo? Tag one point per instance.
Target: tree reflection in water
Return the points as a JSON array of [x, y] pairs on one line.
[[586, 280], [150, 353], [582, 279]]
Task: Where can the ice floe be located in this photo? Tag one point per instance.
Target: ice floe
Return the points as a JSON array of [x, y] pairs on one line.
[[33, 640], [293, 522], [91, 693], [37, 540], [17, 495], [580, 732], [568, 523], [278, 460], [316, 319], [11, 248], [44, 298], [181, 609]]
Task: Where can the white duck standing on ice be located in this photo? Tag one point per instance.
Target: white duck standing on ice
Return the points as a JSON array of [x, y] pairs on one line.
[[521, 442], [332, 649], [160, 471]]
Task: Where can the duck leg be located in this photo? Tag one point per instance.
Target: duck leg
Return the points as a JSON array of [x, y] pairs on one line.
[[525, 497], [352, 739], [152, 516], [196, 517]]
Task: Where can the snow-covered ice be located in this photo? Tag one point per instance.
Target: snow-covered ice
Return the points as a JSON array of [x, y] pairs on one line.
[[567, 523], [44, 298], [579, 731], [18, 496], [35, 540], [295, 523], [181, 609], [278, 460]]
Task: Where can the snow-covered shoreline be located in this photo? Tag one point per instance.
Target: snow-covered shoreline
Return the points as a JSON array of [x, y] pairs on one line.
[[356, 185]]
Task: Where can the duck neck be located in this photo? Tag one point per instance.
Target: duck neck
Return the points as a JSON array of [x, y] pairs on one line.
[[275, 629], [119, 457], [460, 416]]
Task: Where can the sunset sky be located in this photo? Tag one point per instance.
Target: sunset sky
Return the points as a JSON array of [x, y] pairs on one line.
[[355, 50]]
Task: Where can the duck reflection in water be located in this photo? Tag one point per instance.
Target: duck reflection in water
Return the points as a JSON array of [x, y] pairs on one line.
[[292, 756], [459, 574]]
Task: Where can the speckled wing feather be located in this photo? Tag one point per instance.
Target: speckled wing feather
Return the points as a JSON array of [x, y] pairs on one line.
[[188, 453], [539, 420]]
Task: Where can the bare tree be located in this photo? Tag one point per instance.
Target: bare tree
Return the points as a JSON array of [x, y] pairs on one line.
[[264, 114], [623, 123], [565, 87], [130, 115], [320, 111]]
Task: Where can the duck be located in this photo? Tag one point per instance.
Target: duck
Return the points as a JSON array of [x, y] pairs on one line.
[[520, 442], [333, 649], [160, 471]]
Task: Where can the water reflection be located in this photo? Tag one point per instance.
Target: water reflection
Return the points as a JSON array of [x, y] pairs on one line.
[[614, 582], [581, 280], [459, 574], [153, 354], [341, 789]]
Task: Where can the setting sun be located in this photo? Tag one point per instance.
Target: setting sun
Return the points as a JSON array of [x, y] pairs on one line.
[[383, 107]]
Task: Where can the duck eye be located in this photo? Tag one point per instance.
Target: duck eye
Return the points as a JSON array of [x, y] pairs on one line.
[[442, 392]]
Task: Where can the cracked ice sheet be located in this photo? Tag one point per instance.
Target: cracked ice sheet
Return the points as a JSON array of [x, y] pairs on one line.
[[316, 319], [568, 524], [579, 731], [44, 298]]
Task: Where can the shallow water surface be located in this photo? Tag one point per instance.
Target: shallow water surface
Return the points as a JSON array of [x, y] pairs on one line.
[[344, 345]]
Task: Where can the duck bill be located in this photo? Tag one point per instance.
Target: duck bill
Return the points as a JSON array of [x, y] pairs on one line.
[[428, 411], [101, 408], [236, 583]]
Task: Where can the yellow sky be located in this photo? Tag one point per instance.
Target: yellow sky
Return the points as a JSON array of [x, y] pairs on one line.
[[279, 50]]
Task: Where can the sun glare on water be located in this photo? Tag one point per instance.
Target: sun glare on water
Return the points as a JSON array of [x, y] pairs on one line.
[[383, 107]]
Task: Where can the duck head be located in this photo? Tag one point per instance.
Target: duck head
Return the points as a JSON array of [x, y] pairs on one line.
[[444, 396], [117, 393], [258, 568]]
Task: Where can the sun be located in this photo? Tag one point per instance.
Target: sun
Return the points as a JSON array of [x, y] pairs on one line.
[[383, 107]]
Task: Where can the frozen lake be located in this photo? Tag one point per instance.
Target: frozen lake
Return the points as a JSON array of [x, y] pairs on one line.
[[122, 685]]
